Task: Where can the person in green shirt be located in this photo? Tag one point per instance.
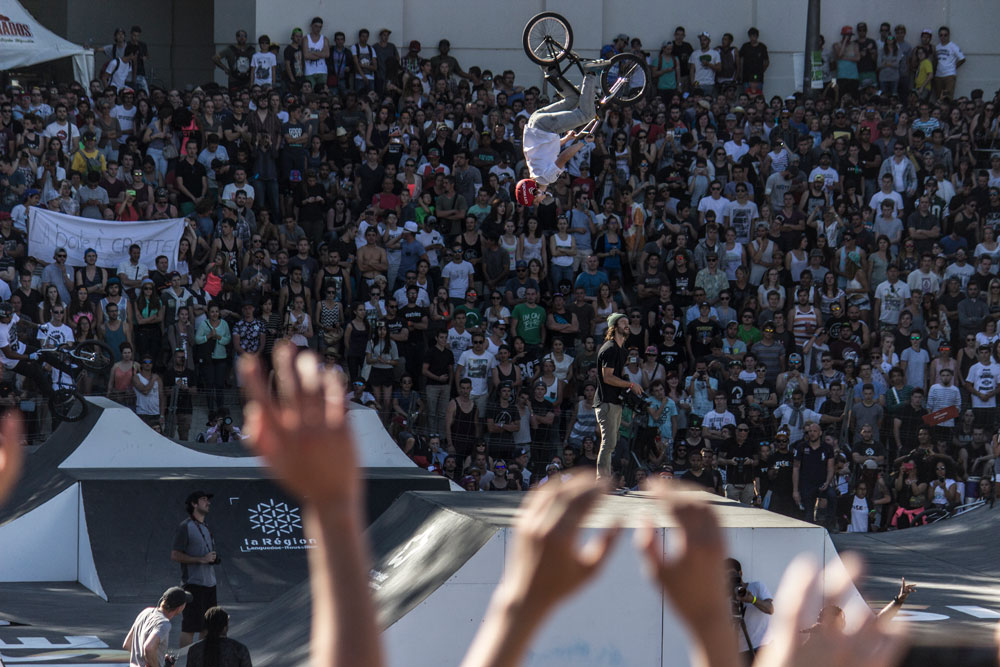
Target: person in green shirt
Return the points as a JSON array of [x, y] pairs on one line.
[[473, 318], [747, 332], [528, 319]]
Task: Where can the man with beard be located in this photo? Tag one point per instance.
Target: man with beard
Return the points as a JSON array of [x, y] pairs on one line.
[[611, 387]]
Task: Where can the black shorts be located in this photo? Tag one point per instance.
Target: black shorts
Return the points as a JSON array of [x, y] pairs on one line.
[[381, 377], [194, 612]]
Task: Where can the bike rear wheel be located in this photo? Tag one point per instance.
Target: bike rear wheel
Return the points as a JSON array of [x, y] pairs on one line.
[[625, 79], [93, 355], [547, 38], [68, 405]]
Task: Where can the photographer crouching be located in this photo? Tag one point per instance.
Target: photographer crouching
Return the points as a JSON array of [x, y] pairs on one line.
[[752, 605], [611, 389]]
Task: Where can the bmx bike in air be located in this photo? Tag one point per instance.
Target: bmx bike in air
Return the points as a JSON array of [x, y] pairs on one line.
[[548, 42], [66, 402]]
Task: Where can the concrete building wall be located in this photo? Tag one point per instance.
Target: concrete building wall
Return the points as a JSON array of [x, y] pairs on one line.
[[489, 33], [178, 33]]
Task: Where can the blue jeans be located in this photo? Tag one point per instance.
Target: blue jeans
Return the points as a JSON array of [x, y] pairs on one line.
[[558, 273], [570, 112]]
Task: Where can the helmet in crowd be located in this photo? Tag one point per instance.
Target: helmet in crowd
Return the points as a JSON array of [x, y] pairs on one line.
[[525, 191]]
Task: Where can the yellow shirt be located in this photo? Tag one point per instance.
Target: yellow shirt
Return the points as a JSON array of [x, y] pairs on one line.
[[81, 160], [924, 73]]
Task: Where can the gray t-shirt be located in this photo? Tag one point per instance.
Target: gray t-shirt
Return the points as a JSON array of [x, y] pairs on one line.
[[85, 194], [194, 539], [150, 622], [866, 414]]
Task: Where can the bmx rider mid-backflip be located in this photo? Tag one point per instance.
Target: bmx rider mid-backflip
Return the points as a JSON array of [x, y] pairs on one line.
[[544, 140], [14, 354]]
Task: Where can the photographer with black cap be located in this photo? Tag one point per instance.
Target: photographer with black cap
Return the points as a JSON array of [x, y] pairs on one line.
[[611, 389], [147, 639], [752, 605], [194, 549]]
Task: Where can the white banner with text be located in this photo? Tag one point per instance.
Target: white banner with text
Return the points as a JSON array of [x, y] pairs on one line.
[[48, 230]]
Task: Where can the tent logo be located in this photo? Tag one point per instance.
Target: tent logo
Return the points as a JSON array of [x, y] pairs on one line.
[[275, 518], [8, 27]]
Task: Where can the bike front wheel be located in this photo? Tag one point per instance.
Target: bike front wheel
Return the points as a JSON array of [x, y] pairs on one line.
[[547, 38], [93, 355], [68, 405], [625, 79]]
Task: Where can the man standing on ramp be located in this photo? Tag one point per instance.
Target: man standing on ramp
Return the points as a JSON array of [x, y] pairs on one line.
[[544, 139], [194, 549], [611, 386]]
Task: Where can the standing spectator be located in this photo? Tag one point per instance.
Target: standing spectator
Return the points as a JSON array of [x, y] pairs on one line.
[[147, 639], [949, 59], [315, 51], [753, 62], [194, 549], [705, 63], [234, 60], [812, 472]]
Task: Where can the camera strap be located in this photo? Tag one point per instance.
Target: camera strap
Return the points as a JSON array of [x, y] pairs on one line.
[[206, 536]]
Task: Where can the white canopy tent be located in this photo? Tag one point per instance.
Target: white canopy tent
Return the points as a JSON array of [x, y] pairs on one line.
[[24, 41]]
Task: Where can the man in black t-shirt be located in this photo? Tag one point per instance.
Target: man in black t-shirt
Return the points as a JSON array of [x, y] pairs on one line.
[[779, 473], [182, 379], [740, 457], [699, 474], [812, 473], [437, 368], [415, 318], [611, 360]]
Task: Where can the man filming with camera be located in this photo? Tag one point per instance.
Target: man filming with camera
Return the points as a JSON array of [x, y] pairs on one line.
[[194, 549], [611, 389], [752, 605]]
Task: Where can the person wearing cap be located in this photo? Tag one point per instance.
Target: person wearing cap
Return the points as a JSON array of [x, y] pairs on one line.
[[412, 60], [846, 55], [704, 63], [194, 549], [89, 158], [385, 53], [611, 360], [147, 639]]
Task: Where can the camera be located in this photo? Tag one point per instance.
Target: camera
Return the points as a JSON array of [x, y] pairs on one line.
[[169, 660], [634, 401], [217, 561], [739, 590], [228, 421]]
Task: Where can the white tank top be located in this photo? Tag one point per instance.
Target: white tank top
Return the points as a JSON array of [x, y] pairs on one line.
[[563, 260], [147, 404], [315, 66]]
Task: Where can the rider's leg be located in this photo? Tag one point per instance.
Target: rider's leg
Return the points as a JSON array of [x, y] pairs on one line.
[[39, 376], [569, 113]]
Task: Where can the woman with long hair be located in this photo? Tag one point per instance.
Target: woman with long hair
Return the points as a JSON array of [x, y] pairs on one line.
[[121, 374], [216, 649], [298, 324], [604, 305], [52, 300], [356, 336], [81, 307], [531, 243], [329, 318], [382, 357]]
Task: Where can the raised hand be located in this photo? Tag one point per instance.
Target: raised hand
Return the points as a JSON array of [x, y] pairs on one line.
[[302, 433], [694, 577], [874, 643]]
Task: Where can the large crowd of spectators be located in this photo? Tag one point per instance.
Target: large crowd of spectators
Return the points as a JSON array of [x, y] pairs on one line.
[[805, 277]]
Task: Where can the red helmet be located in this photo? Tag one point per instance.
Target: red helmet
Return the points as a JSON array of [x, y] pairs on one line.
[[525, 191]]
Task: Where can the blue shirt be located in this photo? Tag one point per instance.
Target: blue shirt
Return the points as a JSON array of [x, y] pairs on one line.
[[591, 283], [410, 254]]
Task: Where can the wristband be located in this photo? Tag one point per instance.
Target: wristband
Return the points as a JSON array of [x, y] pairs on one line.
[[754, 603]]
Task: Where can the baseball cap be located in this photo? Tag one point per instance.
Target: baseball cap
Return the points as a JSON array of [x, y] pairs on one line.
[[704, 33], [411, 226], [652, 350], [622, 36], [847, 30], [521, 264], [230, 204], [175, 596], [414, 45]]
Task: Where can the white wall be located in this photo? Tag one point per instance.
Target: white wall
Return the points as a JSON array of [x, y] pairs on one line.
[[488, 34]]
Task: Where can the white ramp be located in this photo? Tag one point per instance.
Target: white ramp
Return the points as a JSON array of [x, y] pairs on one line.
[[376, 449], [120, 439], [50, 543], [619, 619]]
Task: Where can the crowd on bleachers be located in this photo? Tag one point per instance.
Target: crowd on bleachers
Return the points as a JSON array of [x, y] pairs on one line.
[[783, 261]]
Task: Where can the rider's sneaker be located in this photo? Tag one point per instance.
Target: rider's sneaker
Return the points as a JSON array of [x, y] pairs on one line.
[[594, 65]]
